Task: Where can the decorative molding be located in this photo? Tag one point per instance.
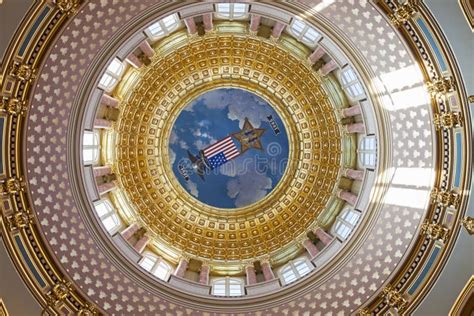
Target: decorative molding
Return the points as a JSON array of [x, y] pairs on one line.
[[445, 198], [447, 120], [468, 223], [3, 308], [68, 7], [394, 299], [441, 86], [435, 231], [468, 11], [404, 12], [464, 304]]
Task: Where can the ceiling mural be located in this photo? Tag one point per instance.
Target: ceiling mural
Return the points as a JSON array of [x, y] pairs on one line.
[[229, 148]]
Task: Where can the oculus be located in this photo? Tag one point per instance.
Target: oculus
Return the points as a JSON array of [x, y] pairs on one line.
[[228, 148]]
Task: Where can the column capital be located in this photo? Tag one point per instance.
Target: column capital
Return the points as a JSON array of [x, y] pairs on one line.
[[265, 260]]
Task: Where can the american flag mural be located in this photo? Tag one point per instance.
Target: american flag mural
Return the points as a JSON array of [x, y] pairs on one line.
[[221, 152]]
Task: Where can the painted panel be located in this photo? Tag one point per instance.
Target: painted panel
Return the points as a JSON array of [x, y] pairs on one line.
[[32, 31], [425, 270], [28, 261], [433, 44]]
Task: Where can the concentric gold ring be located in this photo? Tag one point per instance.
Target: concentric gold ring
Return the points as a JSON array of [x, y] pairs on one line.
[[189, 68]]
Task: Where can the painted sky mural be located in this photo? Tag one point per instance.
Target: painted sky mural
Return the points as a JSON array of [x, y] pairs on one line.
[[228, 148]]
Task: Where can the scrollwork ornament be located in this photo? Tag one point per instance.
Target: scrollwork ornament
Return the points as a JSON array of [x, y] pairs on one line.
[[22, 72], [435, 231], [445, 198], [19, 220], [394, 299], [468, 223], [13, 106], [68, 6], [441, 86], [364, 312], [12, 186], [404, 12]]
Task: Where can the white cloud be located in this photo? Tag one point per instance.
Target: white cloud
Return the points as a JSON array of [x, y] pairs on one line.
[[172, 156], [183, 145], [192, 188], [201, 144], [173, 137], [240, 105], [248, 188]]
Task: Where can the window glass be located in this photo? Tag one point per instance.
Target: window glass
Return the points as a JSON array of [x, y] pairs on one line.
[[90, 147], [232, 10], [219, 288], [295, 270], [304, 32], [289, 275], [148, 262], [107, 215], [163, 26], [227, 287], [302, 267], [111, 222], [351, 83], [346, 222], [112, 75], [103, 208], [367, 151], [162, 271]]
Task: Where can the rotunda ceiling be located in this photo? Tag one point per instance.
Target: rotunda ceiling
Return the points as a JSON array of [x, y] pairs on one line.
[[338, 86]]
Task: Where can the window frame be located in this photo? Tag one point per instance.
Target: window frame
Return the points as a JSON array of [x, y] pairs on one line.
[[292, 266], [227, 284], [114, 75], [364, 153], [157, 263], [342, 222], [163, 27], [351, 84], [231, 14], [94, 147], [301, 34], [111, 213]]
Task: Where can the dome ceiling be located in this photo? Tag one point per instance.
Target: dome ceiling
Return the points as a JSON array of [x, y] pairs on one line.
[[411, 202], [147, 123]]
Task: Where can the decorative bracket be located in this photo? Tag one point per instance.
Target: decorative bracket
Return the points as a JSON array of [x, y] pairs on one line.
[[468, 223], [12, 186], [447, 120], [435, 231], [23, 72], [13, 106], [445, 198], [19, 220], [441, 86], [68, 7], [404, 12], [394, 299]]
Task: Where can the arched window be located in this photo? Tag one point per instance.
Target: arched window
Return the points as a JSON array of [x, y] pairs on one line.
[[227, 287], [351, 84], [232, 10], [303, 32], [112, 75], [163, 27], [346, 222], [295, 270], [156, 266], [367, 151], [90, 147], [107, 215]]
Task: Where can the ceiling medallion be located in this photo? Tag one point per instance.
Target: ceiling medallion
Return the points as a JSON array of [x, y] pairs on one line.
[[145, 163], [228, 148]]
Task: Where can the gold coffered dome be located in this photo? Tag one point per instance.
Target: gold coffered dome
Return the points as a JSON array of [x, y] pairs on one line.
[[186, 68]]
